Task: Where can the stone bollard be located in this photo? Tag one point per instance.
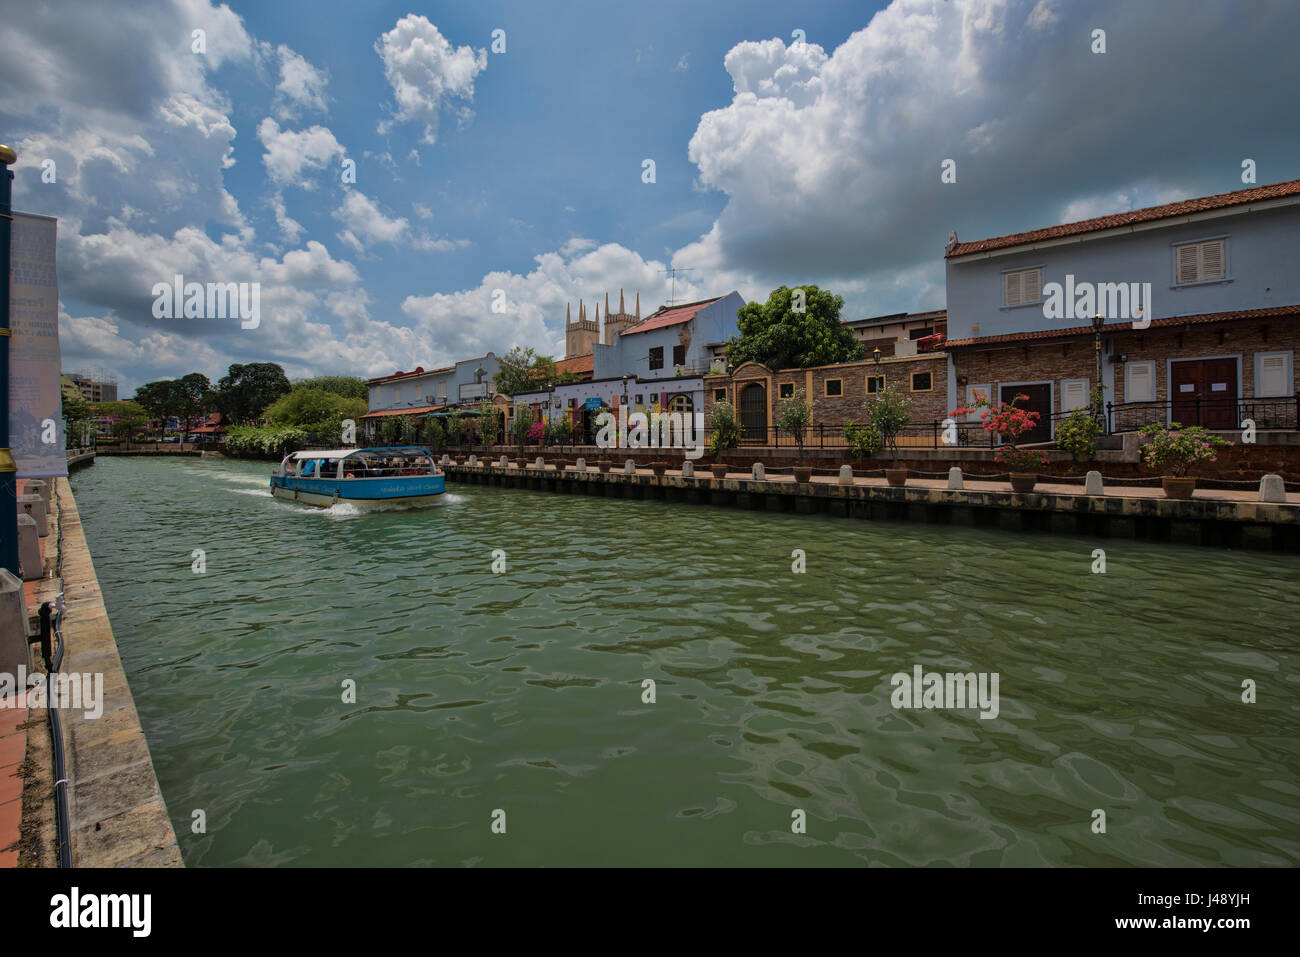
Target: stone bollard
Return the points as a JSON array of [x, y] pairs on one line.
[[955, 481], [445, 460], [629, 467], [505, 461], [688, 469], [846, 474], [29, 549], [1092, 484], [1272, 488], [34, 506], [758, 473], [581, 465], [13, 623], [539, 463], [473, 460], [41, 488]]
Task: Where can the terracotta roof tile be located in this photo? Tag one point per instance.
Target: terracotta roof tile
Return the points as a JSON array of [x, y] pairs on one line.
[[1149, 214], [1275, 312], [670, 316], [578, 364]]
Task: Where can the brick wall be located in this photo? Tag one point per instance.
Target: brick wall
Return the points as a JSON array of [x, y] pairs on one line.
[[836, 410]]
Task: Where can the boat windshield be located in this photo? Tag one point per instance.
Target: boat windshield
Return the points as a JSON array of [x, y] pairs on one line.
[[383, 463]]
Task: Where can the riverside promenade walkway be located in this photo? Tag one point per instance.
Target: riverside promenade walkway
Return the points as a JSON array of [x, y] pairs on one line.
[[117, 815], [1223, 518]]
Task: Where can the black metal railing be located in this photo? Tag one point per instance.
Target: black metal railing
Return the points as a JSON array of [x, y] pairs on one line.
[[1282, 412]]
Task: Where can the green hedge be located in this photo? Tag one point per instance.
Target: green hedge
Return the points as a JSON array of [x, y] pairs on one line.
[[263, 443]]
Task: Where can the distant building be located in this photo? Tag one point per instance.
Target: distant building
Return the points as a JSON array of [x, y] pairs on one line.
[[893, 335], [422, 391], [93, 390]]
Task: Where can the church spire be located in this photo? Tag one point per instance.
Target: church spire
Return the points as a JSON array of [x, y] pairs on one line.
[[567, 313], [638, 304], [621, 308]]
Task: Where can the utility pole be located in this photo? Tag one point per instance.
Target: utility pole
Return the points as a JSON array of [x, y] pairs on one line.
[[8, 468]]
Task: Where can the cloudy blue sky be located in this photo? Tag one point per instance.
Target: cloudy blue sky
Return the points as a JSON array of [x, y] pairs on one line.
[[777, 160]]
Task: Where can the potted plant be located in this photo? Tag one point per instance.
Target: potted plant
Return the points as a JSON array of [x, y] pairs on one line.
[[604, 464], [890, 412], [1009, 422], [1177, 449], [659, 467], [795, 417], [455, 428], [537, 435], [725, 436], [1077, 432]]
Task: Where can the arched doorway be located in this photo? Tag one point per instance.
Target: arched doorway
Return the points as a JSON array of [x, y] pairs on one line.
[[681, 402], [753, 414]]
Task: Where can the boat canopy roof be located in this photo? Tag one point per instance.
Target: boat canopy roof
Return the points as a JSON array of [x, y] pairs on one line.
[[336, 454]]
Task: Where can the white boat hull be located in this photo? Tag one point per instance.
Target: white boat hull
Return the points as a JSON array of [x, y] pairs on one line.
[[325, 501]]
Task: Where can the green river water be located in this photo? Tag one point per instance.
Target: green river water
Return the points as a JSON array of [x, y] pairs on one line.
[[523, 691]]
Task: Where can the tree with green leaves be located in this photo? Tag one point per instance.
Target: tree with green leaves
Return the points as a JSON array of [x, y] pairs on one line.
[[347, 386], [76, 416], [489, 424], [795, 417], [890, 412], [314, 410], [159, 400], [247, 389], [434, 435], [523, 370], [523, 425], [130, 416], [192, 395], [455, 427], [795, 329], [388, 429]]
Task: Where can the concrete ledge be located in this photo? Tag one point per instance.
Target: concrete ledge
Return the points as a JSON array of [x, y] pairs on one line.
[[118, 817], [1202, 521]]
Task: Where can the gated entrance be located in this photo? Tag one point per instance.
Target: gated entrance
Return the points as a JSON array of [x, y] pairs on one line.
[[753, 414]]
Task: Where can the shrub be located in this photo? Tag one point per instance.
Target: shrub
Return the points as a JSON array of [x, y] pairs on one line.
[[890, 412], [724, 428], [269, 442], [522, 428], [864, 440], [1176, 448], [795, 417], [489, 425], [435, 436]]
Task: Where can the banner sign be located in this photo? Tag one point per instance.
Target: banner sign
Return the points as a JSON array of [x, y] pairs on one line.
[[35, 397], [593, 402]]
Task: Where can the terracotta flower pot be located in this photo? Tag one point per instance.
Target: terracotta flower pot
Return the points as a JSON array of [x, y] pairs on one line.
[[1178, 486], [802, 474], [1023, 481], [604, 465], [719, 470], [659, 468], [896, 477], [520, 463], [561, 464]]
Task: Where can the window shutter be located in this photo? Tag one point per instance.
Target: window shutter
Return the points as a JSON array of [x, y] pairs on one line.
[[1187, 262], [1031, 286], [1074, 394], [1272, 376], [1212, 260], [1011, 288], [1140, 383]]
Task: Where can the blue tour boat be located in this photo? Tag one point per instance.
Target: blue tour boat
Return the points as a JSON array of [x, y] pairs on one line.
[[396, 475]]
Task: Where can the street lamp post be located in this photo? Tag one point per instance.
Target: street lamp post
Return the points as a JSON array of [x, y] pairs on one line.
[[1097, 321], [8, 468]]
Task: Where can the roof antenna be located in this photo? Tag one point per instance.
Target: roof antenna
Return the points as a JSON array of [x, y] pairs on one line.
[[673, 271]]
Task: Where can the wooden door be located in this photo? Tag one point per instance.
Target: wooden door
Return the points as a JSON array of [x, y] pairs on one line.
[[1040, 401], [1204, 392]]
